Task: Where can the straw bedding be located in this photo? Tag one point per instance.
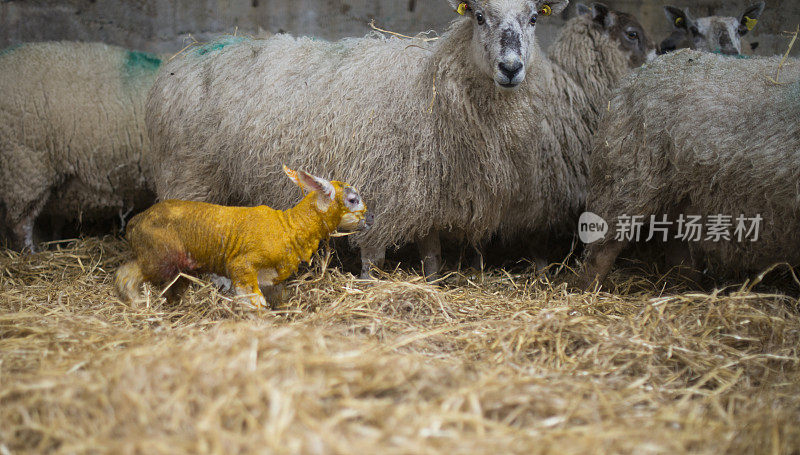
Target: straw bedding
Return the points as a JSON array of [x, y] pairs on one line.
[[494, 362]]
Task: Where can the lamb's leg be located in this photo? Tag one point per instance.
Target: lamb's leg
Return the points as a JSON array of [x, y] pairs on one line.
[[128, 281], [245, 282], [600, 258], [371, 257], [430, 249]]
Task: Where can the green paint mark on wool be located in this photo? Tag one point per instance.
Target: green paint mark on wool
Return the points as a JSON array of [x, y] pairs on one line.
[[10, 49], [136, 62], [219, 44]]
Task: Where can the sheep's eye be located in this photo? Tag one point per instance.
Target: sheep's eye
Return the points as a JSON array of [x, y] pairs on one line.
[[479, 18], [633, 35], [533, 19]]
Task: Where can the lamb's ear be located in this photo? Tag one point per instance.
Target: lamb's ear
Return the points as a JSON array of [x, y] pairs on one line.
[[324, 188], [583, 10], [292, 175], [677, 17], [750, 17], [556, 6]]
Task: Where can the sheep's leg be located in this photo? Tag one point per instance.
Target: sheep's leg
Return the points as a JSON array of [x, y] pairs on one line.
[[273, 294], [22, 229], [540, 262], [600, 258], [22, 232], [430, 249], [27, 181], [57, 228], [478, 261], [371, 257], [679, 256]]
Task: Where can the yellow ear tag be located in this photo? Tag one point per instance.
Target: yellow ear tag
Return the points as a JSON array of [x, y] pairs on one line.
[[750, 23], [679, 21], [462, 9], [546, 10]]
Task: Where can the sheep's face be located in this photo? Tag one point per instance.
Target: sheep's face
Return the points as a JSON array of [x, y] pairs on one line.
[[503, 35], [709, 34], [624, 29]]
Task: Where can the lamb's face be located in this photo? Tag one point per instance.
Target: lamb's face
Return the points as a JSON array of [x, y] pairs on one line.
[[355, 216], [503, 35]]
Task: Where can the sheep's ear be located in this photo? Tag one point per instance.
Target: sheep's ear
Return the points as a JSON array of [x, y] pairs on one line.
[[680, 19], [556, 6], [583, 10], [602, 15], [454, 3], [325, 190], [750, 17]]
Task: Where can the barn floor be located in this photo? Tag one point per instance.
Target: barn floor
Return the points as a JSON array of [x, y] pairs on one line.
[[501, 363]]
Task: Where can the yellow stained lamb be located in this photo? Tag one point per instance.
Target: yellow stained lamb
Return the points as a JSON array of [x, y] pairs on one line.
[[253, 246]]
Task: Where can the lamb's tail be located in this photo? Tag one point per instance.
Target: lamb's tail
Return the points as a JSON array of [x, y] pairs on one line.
[[128, 281]]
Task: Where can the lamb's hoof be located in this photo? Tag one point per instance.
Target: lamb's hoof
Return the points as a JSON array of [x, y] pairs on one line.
[[434, 278]]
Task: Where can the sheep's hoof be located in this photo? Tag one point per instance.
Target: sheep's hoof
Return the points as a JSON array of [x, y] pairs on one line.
[[434, 278]]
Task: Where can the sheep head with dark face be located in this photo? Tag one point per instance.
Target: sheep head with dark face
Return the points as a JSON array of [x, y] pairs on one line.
[[503, 35], [721, 34]]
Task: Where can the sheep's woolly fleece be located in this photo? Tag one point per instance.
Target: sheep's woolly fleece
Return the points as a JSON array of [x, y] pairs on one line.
[[413, 124], [72, 130], [502, 362], [696, 133]]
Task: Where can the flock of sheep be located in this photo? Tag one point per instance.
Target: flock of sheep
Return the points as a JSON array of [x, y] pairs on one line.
[[473, 136]]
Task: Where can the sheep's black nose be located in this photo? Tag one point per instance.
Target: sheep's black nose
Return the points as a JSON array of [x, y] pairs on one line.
[[510, 70], [666, 47]]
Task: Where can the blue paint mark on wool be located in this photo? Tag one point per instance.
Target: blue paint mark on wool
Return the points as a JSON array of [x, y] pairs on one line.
[[219, 44]]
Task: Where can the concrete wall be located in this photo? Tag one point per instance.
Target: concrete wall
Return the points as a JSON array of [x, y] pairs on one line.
[[164, 26]]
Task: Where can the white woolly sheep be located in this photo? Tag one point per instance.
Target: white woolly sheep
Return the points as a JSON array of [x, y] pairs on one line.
[[72, 134], [722, 34], [592, 54], [437, 135], [697, 134]]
